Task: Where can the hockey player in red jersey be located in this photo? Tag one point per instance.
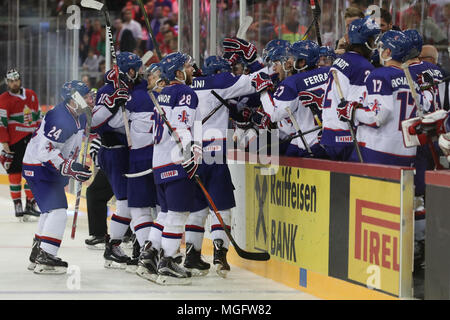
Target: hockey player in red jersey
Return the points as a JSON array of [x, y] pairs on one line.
[[19, 118]]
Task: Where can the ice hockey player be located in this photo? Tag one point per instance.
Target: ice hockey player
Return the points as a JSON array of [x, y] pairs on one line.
[[173, 169], [389, 101], [149, 257], [302, 93], [113, 156], [214, 171], [20, 117], [142, 189], [50, 160], [352, 68]]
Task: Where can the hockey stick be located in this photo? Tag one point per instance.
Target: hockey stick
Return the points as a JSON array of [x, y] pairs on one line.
[[350, 123], [242, 31], [148, 171], [405, 67], [149, 28], [299, 131], [97, 5], [259, 256], [80, 101], [315, 7]]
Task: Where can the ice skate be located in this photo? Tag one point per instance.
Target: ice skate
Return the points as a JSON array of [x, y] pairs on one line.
[[171, 273], [18, 209], [47, 263], [194, 263], [31, 214], [148, 263], [95, 243], [114, 256], [220, 258], [34, 253], [132, 264]]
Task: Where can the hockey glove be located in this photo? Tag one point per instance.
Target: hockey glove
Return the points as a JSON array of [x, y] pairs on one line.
[[416, 131], [261, 81], [93, 150], [444, 144], [246, 50], [115, 100], [75, 170], [243, 118], [345, 110], [311, 100], [190, 165], [6, 158], [111, 77], [261, 119]]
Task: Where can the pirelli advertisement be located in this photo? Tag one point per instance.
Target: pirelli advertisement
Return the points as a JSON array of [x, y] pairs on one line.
[[344, 226]]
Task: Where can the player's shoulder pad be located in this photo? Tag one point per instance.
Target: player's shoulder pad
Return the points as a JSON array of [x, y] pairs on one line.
[[140, 101], [59, 123], [186, 96], [385, 80]]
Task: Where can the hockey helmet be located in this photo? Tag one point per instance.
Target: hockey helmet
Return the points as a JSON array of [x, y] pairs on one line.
[[12, 75], [399, 44], [361, 30], [416, 39], [307, 50], [72, 86], [173, 62], [127, 61], [271, 45], [213, 64], [326, 51]]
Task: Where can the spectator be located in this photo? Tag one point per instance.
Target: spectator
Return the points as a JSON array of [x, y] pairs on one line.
[[91, 63], [127, 41], [84, 47], [96, 36], [360, 4], [430, 54], [351, 14], [133, 26], [101, 45], [102, 70], [118, 28], [291, 30]]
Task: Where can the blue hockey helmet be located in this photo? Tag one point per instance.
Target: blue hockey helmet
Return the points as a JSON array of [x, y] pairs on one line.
[[326, 51], [271, 45], [173, 62], [72, 86], [399, 44], [307, 50], [416, 39], [152, 69], [361, 30], [127, 61], [213, 64]]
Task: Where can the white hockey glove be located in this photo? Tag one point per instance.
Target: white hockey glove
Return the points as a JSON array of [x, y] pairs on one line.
[[444, 144]]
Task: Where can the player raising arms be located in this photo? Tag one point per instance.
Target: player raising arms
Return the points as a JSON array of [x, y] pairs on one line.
[[49, 162], [352, 68]]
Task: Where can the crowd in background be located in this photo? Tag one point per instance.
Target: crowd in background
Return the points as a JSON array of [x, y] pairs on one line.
[[430, 17]]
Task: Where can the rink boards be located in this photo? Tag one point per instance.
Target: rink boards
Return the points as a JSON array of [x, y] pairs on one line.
[[335, 230]]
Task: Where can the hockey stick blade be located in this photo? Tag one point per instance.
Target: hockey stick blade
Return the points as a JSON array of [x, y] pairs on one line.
[[138, 174], [92, 4], [146, 57], [257, 256], [246, 22]]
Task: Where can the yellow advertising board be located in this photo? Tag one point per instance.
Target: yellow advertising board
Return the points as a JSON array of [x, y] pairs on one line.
[[288, 215], [374, 233]]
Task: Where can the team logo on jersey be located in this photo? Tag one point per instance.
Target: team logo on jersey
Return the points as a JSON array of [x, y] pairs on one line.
[[29, 173], [27, 116], [183, 117], [169, 174], [50, 147]]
